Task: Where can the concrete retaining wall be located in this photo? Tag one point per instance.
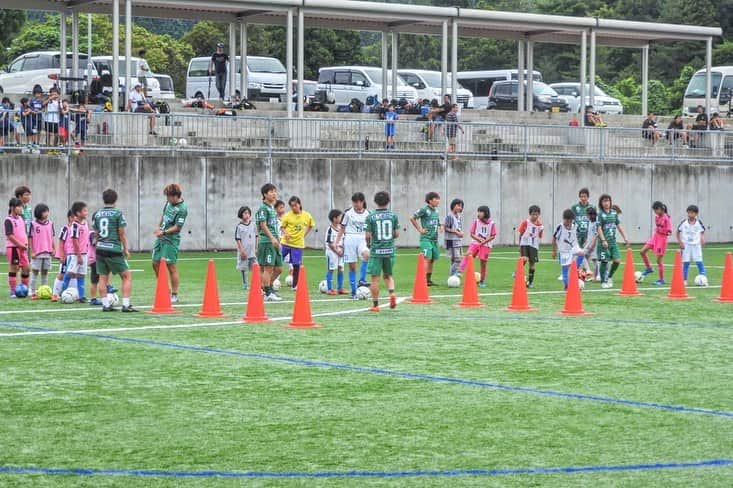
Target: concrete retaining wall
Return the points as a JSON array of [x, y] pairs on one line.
[[215, 187]]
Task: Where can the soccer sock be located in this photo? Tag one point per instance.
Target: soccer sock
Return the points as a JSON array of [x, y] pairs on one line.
[[700, 267], [34, 279], [614, 267], [565, 273], [375, 302], [106, 300], [80, 286], [483, 270], [604, 269], [244, 278], [125, 302], [24, 278], [391, 291], [329, 279], [661, 270], [429, 276], [66, 281], [462, 266], [340, 278], [57, 284], [352, 281], [579, 262], [647, 263], [363, 271], [12, 281], [531, 275], [296, 273], [44, 279], [686, 269], [268, 290]]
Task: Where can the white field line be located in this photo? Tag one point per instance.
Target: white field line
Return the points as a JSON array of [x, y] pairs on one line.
[[176, 326]]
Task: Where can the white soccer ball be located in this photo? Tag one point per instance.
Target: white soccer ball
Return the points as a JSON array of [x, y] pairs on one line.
[[182, 142], [70, 295], [323, 286], [289, 280], [701, 280], [453, 281], [276, 285], [477, 276], [114, 300], [581, 284], [639, 276], [363, 293]]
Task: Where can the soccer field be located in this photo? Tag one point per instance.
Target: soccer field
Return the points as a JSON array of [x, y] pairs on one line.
[[638, 394]]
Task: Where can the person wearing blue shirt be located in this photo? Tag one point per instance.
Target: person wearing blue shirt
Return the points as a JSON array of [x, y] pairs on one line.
[[389, 128]]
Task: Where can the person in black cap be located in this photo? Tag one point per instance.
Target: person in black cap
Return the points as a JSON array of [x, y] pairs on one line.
[[218, 67]]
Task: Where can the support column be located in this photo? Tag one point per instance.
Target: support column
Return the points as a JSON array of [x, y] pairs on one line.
[[115, 55], [708, 73], [583, 65], [301, 61], [393, 80], [520, 75], [644, 80], [232, 81], [75, 48], [289, 63], [385, 64], [592, 74], [454, 64], [129, 80], [529, 101], [243, 81], [444, 60], [62, 60]]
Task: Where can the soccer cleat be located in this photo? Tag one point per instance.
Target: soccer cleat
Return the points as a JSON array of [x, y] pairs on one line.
[[354, 297], [109, 309], [174, 298], [647, 271], [660, 283], [95, 301], [373, 309], [430, 283], [559, 278], [34, 297], [111, 289], [129, 309], [481, 284], [12, 295], [529, 285], [343, 292], [610, 282], [363, 283], [54, 298], [82, 300], [273, 298], [606, 285], [332, 292], [392, 300]]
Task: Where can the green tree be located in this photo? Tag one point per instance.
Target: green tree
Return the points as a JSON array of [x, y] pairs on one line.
[[12, 22]]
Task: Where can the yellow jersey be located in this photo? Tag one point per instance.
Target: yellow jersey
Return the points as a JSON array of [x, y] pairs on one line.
[[295, 226]]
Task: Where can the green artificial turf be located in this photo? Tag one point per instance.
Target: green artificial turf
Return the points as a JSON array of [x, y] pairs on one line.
[[420, 388]]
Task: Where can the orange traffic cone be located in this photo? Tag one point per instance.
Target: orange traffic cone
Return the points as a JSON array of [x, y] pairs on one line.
[[677, 288], [628, 287], [211, 306], [520, 300], [255, 311], [302, 318], [420, 292], [162, 301], [470, 292], [726, 287], [573, 302]]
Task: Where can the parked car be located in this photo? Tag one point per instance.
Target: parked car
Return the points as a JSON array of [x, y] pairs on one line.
[[348, 82], [503, 95], [428, 83], [166, 87], [479, 82], [602, 103], [266, 78], [309, 89], [104, 67], [42, 68]]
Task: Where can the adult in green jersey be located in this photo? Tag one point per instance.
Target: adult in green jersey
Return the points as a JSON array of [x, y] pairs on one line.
[[608, 222], [268, 247], [427, 223], [112, 252], [582, 222], [382, 228], [168, 235]]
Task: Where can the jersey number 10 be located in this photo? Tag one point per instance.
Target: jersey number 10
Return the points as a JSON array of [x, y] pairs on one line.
[[384, 230]]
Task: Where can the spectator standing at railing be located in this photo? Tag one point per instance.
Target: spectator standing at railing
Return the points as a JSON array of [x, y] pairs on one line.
[[218, 68], [390, 117], [36, 106], [649, 128], [5, 115], [451, 129], [52, 104], [676, 130], [143, 71], [137, 103], [81, 117]]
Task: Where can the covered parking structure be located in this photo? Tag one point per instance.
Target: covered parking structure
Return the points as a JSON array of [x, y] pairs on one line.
[[389, 19]]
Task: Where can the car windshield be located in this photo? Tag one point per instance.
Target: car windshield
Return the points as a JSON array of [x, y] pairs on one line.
[[265, 65], [133, 68], [308, 88], [69, 60], [199, 67], [375, 74], [540, 88], [433, 79], [697, 86]]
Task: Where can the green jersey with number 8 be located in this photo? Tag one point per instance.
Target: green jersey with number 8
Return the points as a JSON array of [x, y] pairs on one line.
[[107, 222], [381, 224]]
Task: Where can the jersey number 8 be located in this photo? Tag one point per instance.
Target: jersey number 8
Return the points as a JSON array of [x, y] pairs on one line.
[[104, 227]]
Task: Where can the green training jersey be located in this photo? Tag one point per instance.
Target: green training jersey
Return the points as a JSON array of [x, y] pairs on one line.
[[107, 222], [581, 217], [381, 224], [173, 214], [27, 216], [429, 220], [607, 222], [266, 213]]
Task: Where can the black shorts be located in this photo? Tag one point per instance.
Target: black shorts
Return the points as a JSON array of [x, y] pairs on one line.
[[52, 127], [94, 277], [530, 253]]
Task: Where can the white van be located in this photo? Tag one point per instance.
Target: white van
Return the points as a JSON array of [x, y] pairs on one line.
[[40, 68], [360, 82], [722, 83], [427, 83], [479, 82], [266, 78], [104, 67], [603, 103]]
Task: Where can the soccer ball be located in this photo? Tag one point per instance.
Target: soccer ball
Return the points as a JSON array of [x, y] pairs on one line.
[[21, 291], [289, 280], [454, 281], [70, 295], [276, 285], [639, 276], [44, 292], [323, 286], [114, 300], [477, 276], [363, 293], [700, 280], [581, 284]]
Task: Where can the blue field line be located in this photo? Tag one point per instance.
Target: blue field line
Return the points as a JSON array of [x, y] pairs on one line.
[[403, 374], [362, 474]]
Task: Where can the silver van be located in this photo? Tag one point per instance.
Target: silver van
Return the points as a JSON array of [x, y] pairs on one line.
[[360, 82], [266, 78]]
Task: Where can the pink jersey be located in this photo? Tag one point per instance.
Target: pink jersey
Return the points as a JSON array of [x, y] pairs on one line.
[[80, 232], [68, 243], [42, 234], [63, 241], [15, 226], [530, 233], [483, 229], [92, 251], [663, 225]]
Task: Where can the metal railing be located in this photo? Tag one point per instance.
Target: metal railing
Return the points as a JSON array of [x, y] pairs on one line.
[[267, 136]]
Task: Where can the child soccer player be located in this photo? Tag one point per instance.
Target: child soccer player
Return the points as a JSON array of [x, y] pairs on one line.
[[389, 127], [531, 231], [691, 238], [61, 252], [658, 242], [382, 228], [608, 222], [590, 248], [245, 236], [268, 247], [41, 246], [334, 255], [580, 209], [16, 244], [428, 227], [483, 232], [23, 193], [296, 225], [353, 222], [454, 235], [565, 243], [78, 261]]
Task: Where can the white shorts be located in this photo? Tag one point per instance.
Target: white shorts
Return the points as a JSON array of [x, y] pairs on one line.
[[76, 266], [333, 260], [692, 252], [567, 258], [354, 248], [41, 262]]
